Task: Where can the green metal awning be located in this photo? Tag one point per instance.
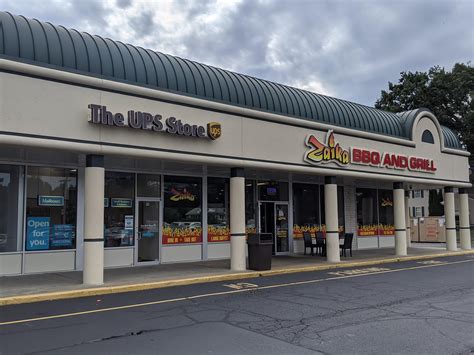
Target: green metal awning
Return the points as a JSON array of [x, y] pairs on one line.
[[42, 43]]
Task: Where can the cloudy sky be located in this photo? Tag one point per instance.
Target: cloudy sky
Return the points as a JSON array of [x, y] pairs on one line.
[[348, 49]]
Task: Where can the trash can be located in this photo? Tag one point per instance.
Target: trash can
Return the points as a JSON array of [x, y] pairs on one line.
[[260, 251]]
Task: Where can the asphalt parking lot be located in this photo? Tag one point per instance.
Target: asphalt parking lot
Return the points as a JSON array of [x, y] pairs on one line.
[[410, 307]]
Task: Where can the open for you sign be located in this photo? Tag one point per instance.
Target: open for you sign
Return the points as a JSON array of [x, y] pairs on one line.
[[37, 233]]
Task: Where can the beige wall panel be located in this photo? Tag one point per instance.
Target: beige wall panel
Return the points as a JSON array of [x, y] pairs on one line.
[[298, 246], [41, 107], [264, 140], [385, 242], [115, 257], [46, 108], [10, 264], [46, 262], [367, 242], [218, 250], [183, 252]]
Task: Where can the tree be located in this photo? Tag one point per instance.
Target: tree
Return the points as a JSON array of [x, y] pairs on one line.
[[435, 206], [449, 95]]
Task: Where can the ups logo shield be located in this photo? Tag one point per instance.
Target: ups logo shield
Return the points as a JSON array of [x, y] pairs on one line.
[[214, 130]]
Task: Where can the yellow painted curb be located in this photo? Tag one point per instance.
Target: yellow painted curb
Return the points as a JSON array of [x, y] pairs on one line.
[[86, 292]]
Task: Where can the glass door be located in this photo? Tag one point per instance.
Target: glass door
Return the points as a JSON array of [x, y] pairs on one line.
[[266, 219], [281, 228], [148, 231]]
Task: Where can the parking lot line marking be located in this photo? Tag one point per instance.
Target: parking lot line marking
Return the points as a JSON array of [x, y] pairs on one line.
[[213, 294], [240, 285], [431, 262]]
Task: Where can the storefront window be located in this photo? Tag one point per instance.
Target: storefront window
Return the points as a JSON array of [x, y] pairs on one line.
[[9, 187], [272, 191], [306, 211], [149, 185], [250, 225], [218, 229], [367, 219], [182, 210], [51, 208], [386, 218], [119, 209], [340, 209]]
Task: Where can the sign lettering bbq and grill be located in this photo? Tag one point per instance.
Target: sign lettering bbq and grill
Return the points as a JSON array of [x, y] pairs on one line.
[[152, 122], [331, 151]]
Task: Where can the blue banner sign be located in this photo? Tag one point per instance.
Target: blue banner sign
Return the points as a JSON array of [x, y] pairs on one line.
[[121, 202], [63, 235], [37, 233], [106, 202], [52, 201]]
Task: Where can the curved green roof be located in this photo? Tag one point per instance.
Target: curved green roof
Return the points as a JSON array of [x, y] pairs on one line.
[[43, 43]]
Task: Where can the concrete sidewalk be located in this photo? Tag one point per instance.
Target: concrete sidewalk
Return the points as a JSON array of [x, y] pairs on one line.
[[32, 288]]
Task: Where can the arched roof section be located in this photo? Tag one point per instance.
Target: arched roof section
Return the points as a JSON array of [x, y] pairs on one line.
[[42, 43]]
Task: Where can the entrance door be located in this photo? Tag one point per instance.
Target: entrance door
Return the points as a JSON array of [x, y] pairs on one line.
[[273, 218], [281, 228], [148, 231]]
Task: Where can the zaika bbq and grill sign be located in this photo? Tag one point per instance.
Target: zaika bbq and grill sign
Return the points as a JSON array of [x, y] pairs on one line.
[[331, 152], [152, 122]]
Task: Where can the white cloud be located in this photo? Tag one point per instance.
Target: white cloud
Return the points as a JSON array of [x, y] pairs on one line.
[[345, 49]]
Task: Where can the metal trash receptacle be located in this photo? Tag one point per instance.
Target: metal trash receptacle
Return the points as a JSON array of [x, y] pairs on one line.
[[260, 251]]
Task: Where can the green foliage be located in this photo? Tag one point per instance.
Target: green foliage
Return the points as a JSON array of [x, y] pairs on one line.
[[435, 207], [448, 94]]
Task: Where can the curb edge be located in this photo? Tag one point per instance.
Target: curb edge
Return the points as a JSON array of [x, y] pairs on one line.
[[59, 295]]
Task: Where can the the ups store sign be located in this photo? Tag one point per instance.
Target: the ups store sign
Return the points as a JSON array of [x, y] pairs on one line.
[[153, 122]]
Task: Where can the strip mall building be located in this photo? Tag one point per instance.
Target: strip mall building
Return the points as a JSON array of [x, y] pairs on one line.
[[112, 155]]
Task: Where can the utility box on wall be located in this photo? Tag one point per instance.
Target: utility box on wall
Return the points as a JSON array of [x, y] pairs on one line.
[[428, 229]]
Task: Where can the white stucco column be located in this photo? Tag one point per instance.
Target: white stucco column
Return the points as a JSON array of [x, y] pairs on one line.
[[93, 273], [237, 220], [449, 213], [400, 218], [407, 219], [332, 224], [464, 228]]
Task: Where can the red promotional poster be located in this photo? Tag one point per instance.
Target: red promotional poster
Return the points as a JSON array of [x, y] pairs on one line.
[[368, 230], [182, 234], [373, 230], [218, 234], [299, 230], [386, 229]]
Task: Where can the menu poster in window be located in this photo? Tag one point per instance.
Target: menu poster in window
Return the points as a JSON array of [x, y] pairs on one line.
[[37, 233]]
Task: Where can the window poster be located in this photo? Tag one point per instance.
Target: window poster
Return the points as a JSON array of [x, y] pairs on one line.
[[37, 233], [218, 229], [182, 210], [63, 235], [128, 224]]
